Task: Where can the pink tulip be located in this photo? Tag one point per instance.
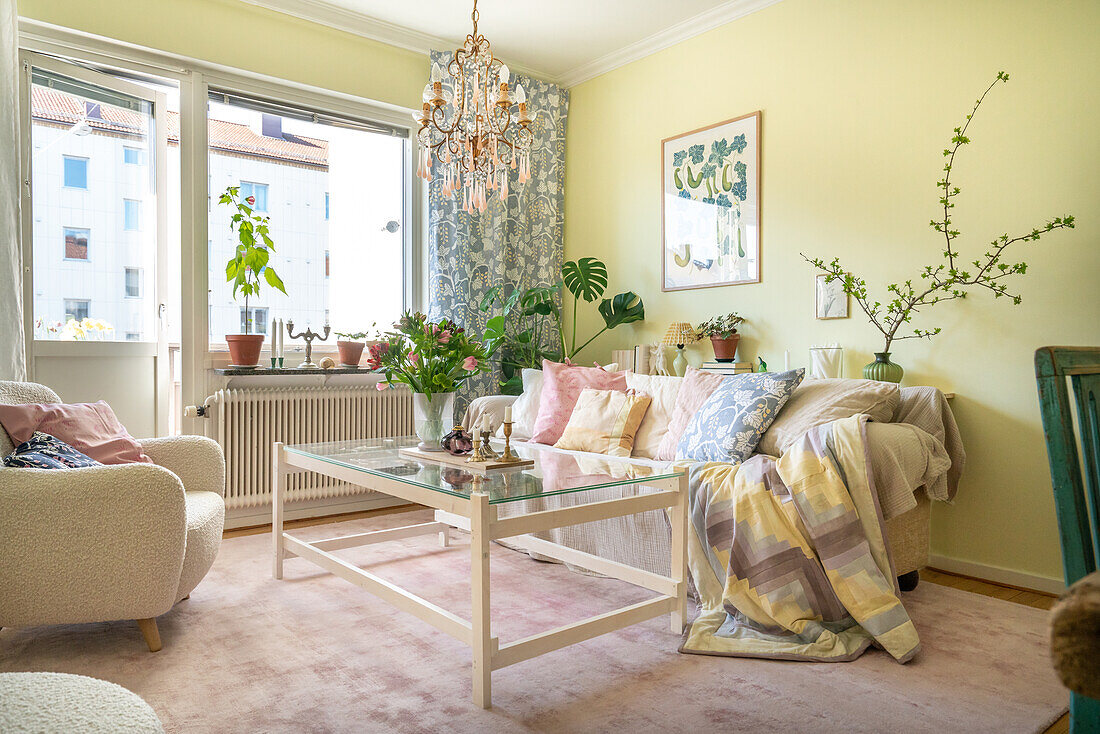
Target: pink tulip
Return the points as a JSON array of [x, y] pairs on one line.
[[470, 364], [414, 358], [380, 386], [444, 337]]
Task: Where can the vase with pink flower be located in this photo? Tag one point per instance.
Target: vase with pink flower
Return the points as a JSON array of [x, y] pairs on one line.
[[433, 358]]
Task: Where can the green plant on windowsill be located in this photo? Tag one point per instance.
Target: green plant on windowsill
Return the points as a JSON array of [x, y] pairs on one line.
[[944, 282], [522, 334]]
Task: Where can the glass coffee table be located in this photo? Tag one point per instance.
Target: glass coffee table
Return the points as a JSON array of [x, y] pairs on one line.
[[509, 503]]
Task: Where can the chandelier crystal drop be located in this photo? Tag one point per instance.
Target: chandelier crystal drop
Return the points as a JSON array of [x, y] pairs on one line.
[[474, 125]]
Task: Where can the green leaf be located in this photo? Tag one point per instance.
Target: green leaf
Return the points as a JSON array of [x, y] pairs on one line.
[[490, 298], [585, 278], [625, 308], [274, 280]]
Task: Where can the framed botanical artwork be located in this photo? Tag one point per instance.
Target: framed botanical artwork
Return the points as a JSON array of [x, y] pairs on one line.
[[832, 301], [710, 205]]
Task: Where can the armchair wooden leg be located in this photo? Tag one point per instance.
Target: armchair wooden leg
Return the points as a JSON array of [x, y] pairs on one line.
[[151, 633]]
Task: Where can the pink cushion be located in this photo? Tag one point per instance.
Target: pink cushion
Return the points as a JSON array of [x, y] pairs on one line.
[[698, 386], [561, 386], [90, 428]]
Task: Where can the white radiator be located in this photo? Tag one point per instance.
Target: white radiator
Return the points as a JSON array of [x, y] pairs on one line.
[[248, 421]]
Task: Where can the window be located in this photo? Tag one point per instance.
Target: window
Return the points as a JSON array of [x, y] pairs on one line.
[[257, 190], [133, 336], [259, 321], [132, 211], [76, 243], [319, 158], [133, 156], [77, 309], [76, 172], [133, 282]]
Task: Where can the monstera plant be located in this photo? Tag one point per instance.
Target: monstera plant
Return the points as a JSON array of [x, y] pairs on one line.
[[529, 326]]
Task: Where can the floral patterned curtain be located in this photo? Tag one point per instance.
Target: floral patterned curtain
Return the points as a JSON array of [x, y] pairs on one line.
[[516, 243]]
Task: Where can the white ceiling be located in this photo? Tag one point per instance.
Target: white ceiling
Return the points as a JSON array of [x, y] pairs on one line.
[[567, 41]]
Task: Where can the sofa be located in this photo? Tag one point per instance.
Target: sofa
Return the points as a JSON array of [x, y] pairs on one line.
[[109, 542], [916, 457]]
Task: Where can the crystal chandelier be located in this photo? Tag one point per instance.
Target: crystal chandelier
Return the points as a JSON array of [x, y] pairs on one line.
[[468, 126]]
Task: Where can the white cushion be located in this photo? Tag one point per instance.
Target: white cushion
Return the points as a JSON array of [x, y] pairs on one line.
[[663, 390]]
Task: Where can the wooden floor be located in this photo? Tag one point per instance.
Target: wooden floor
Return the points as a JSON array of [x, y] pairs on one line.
[[1030, 598]]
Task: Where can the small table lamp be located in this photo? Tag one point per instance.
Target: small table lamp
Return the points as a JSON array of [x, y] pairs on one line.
[[679, 334]]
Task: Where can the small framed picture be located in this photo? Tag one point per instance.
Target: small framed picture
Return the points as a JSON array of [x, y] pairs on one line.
[[832, 301]]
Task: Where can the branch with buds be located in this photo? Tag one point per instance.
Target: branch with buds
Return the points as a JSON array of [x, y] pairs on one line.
[[950, 279]]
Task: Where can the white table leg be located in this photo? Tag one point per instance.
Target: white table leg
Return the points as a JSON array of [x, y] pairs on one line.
[[481, 632], [444, 539], [678, 517], [278, 495]]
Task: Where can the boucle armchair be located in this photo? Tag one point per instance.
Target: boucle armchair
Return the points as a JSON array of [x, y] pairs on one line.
[[103, 543]]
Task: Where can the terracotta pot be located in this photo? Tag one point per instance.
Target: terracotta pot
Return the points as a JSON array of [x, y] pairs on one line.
[[350, 352], [244, 349], [725, 350]]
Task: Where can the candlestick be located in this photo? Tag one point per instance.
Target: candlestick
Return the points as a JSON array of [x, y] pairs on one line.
[[308, 335], [508, 456]]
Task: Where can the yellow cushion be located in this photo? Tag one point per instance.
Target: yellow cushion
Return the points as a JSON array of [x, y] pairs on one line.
[[604, 422]]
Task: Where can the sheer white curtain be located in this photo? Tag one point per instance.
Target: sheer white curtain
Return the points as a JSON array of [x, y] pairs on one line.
[[12, 353]]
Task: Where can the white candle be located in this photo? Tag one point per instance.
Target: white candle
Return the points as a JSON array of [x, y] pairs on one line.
[[274, 337], [508, 414], [486, 424], [477, 436], [786, 360], [279, 335]]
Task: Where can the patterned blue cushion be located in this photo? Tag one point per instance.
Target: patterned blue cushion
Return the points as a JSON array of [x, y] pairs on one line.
[[43, 451], [729, 424]]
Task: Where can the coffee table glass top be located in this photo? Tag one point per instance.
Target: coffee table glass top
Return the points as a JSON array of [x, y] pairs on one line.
[[554, 472]]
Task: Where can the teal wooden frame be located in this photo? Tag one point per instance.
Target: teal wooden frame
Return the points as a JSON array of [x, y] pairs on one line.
[[1076, 493]]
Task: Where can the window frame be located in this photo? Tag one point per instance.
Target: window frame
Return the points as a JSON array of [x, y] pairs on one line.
[[252, 188], [127, 149], [126, 215], [65, 229], [140, 282], [87, 305], [194, 78], [86, 160]]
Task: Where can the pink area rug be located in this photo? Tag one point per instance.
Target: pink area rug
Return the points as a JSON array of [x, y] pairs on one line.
[[312, 653]]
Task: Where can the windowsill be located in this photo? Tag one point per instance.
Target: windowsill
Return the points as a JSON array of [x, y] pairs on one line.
[[76, 259]]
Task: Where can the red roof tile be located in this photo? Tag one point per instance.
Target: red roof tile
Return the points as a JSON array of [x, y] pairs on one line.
[[50, 104]]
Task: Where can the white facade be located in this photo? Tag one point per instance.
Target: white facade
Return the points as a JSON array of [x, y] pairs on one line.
[[295, 202]]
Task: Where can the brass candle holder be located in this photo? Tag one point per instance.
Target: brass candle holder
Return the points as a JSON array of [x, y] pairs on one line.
[[487, 449], [476, 454], [508, 456]]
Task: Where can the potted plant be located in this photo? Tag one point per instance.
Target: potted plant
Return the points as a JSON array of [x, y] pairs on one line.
[[244, 271], [722, 331], [945, 281], [529, 327], [350, 346], [433, 359]]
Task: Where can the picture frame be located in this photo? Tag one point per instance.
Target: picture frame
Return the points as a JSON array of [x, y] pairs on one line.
[[831, 302], [711, 205]]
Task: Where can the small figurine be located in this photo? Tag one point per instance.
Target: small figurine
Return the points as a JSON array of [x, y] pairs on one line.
[[458, 442], [763, 366], [659, 361]]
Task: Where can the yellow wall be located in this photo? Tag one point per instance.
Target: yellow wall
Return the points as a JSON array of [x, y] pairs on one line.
[[235, 34], [859, 98]]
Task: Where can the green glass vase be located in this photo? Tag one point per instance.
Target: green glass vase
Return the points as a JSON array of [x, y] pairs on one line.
[[882, 369]]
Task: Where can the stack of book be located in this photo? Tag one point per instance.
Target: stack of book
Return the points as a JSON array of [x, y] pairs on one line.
[[727, 368]]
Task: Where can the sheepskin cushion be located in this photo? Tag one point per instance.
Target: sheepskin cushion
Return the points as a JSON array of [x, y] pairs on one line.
[[1075, 636], [47, 703]]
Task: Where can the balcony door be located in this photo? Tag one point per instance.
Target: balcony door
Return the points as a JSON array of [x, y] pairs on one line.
[[95, 154]]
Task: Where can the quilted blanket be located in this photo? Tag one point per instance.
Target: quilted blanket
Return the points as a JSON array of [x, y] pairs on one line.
[[789, 555]]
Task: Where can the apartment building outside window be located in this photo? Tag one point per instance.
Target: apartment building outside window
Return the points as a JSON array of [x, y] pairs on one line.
[[259, 320], [133, 282]]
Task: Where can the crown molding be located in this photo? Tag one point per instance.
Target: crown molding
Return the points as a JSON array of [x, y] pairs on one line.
[[365, 26], [682, 31]]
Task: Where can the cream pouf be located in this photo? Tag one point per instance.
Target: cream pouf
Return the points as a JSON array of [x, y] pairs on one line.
[[49, 703]]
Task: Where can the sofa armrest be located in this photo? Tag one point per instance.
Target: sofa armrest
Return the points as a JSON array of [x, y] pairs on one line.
[[198, 461], [90, 544], [490, 405]]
